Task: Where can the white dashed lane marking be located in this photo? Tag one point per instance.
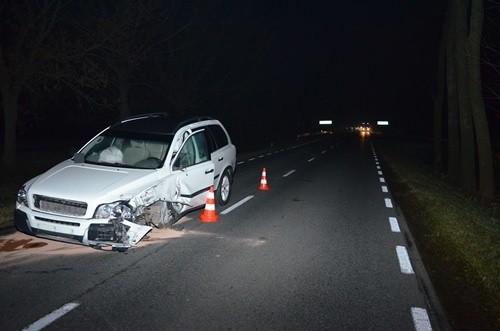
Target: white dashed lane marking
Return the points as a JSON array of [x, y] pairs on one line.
[[420, 319], [236, 205], [419, 315], [388, 203], [404, 260], [394, 224], [50, 318]]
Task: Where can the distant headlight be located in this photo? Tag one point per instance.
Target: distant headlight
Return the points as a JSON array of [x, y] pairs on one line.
[[22, 197], [115, 209]]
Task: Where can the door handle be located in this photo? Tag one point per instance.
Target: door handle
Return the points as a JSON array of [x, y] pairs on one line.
[[209, 171], [221, 158]]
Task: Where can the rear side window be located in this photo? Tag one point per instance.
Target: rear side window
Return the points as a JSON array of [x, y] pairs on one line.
[[219, 135]]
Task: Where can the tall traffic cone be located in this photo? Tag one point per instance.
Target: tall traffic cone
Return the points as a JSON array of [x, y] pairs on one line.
[[209, 215], [263, 181]]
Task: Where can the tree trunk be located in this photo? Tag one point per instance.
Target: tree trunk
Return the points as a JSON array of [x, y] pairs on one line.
[[439, 101], [467, 141], [123, 91], [451, 88], [10, 98], [486, 181]]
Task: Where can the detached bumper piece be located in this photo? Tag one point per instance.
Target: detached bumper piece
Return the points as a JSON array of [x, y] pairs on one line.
[[102, 232], [120, 234]]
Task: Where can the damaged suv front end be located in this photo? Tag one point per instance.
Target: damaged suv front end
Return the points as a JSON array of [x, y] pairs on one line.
[[85, 203], [141, 172]]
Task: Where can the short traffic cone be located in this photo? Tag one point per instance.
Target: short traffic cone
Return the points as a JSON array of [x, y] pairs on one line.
[[263, 181], [209, 215]]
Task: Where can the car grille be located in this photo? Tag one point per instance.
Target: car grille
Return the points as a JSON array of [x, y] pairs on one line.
[[60, 206], [56, 221]]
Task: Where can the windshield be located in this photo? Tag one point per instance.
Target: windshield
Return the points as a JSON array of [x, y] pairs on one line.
[[127, 149]]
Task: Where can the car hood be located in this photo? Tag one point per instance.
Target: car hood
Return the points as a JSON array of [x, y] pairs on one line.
[[92, 183]]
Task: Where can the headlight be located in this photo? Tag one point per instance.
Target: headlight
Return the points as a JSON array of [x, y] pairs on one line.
[[22, 197], [115, 209], [124, 211]]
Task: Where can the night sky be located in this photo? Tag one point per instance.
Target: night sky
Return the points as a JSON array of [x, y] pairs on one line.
[[348, 61], [353, 61]]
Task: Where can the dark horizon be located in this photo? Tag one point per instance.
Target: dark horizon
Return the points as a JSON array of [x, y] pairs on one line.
[[307, 60]]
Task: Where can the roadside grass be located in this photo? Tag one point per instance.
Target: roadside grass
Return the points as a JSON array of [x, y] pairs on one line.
[[457, 234]]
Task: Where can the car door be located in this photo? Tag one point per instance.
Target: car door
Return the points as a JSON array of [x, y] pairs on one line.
[[194, 170], [221, 154]]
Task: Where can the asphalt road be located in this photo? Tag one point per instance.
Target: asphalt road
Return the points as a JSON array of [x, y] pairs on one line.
[[325, 248]]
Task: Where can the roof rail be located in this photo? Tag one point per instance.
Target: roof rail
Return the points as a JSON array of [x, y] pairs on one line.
[[193, 119], [147, 115]]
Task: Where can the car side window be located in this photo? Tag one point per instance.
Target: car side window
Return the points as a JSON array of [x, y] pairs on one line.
[[219, 135], [193, 152]]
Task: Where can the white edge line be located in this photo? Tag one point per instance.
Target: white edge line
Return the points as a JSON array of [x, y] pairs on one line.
[[50, 318], [404, 260], [388, 203], [420, 319], [394, 224], [236, 205]]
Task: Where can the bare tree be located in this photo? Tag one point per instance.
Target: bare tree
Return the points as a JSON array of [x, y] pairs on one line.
[[38, 53], [473, 49], [132, 34], [467, 122], [467, 143], [25, 30], [439, 100], [452, 96]]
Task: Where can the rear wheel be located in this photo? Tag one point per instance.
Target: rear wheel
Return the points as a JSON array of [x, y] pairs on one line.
[[224, 189]]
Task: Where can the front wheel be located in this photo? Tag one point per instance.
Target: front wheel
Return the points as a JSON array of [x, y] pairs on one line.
[[224, 189], [174, 210]]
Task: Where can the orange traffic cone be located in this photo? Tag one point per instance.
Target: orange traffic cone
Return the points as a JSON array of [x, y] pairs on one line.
[[263, 181], [209, 215]]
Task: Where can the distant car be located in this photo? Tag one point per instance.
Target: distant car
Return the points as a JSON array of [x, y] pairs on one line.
[[143, 171]]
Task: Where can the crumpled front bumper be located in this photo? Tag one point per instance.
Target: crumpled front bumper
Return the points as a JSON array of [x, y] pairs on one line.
[[114, 233]]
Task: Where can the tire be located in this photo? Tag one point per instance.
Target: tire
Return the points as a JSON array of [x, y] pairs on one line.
[[224, 188]]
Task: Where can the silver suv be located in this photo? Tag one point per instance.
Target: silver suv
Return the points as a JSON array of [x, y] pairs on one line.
[[143, 171]]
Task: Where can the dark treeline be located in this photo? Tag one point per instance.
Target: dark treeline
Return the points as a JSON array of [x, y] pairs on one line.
[[268, 69], [75, 66]]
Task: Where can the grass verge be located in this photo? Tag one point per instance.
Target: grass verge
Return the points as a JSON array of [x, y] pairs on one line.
[[457, 236]]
